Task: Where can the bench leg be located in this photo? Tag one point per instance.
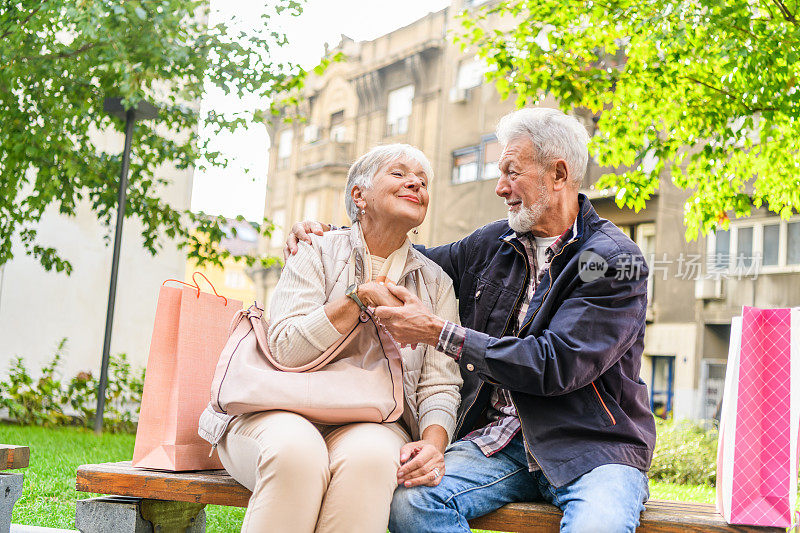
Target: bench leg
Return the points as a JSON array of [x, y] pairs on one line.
[[121, 514], [10, 491]]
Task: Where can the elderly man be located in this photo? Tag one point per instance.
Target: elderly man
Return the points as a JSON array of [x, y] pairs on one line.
[[552, 305]]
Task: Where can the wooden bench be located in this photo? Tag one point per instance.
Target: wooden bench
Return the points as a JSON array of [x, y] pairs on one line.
[[216, 487], [11, 458]]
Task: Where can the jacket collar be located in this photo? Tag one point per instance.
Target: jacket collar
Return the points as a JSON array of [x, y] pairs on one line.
[[586, 213]]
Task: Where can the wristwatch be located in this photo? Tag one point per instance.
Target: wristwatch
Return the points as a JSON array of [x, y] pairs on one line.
[[352, 293]]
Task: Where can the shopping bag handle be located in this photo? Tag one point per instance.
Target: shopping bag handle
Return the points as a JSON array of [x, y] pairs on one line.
[[197, 285], [210, 284]]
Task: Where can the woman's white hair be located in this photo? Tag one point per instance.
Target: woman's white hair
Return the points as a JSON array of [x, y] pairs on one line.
[[554, 136], [366, 167]]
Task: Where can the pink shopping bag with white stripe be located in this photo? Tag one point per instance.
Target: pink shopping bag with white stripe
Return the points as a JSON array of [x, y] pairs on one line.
[[757, 453]]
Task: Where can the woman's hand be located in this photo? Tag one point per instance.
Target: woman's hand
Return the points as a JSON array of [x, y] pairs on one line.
[[374, 294], [422, 464]]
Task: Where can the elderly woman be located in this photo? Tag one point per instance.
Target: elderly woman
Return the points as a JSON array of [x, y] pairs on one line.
[[306, 476]]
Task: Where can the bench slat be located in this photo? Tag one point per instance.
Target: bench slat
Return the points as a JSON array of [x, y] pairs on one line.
[[660, 516], [216, 487], [12, 457]]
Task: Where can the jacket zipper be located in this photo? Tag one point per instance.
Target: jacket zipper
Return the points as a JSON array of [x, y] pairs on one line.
[[464, 414], [521, 425], [515, 309], [505, 328], [549, 286], [613, 420]]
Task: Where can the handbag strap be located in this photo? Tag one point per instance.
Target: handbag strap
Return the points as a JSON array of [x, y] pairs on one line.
[[255, 316]]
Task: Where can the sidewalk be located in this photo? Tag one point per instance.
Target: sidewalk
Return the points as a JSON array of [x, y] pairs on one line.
[[19, 528]]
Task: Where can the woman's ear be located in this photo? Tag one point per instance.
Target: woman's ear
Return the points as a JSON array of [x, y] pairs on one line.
[[358, 196]]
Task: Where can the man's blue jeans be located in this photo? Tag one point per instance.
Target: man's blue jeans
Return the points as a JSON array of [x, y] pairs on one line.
[[606, 499]]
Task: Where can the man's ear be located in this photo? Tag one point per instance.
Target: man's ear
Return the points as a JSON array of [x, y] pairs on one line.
[[561, 176]]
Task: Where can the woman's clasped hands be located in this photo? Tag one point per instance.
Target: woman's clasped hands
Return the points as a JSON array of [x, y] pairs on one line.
[[422, 463]]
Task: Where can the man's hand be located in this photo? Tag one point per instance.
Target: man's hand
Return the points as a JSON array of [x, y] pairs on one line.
[[422, 464], [411, 323], [300, 232]]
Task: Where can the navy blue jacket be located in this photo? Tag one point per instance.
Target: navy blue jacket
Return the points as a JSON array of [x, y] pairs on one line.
[[573, 370]]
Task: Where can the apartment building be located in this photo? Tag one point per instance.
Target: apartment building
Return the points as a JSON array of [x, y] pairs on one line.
[[414, 85]]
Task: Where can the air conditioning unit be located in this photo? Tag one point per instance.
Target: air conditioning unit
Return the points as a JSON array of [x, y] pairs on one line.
[[709, 289], [458, 95]]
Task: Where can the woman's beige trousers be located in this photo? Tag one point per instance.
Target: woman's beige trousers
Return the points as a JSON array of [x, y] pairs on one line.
[[306, 477]]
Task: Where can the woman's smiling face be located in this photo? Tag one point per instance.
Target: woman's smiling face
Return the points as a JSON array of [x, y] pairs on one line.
[[399, 193]]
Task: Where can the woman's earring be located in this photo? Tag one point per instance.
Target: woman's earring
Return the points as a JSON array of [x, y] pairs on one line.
[[414, 231], [363, 212]]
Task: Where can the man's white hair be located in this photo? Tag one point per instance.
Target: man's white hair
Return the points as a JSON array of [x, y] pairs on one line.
[[366, 167], [554, 136]]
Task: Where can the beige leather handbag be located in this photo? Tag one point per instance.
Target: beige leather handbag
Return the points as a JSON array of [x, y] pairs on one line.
[[357, 379]]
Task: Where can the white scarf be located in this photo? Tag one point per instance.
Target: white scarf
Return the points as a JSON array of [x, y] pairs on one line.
[[361, 262]]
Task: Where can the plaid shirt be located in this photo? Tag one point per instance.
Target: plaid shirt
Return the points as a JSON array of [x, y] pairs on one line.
[[504, 422]]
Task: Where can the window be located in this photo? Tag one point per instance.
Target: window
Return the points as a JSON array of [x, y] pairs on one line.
[[465, 165], [310, 133], [712, 379], [793, 243], [722, 253], [477, 162], [338, 130], [470, 74], [770, 245], [750, 245], [399, 110], [744, 247], [277, 236], [284, 148], [339, 133], [491, 157], [644, 235], [661, 385]]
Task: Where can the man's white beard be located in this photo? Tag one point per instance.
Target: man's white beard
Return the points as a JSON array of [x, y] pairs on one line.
[[522, 220]]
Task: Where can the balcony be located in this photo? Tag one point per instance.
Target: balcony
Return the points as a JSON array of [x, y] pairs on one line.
[[325, 154]]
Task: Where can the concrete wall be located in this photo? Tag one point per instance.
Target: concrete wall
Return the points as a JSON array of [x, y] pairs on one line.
[[38, 308]]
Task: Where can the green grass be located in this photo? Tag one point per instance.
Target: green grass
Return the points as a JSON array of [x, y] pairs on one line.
[[49, 492], [660, 490]]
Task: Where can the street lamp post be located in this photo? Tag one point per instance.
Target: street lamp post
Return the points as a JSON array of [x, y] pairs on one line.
[[142, 111]]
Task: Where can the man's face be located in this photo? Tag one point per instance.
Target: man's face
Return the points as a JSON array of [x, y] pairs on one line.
[[522, 184]]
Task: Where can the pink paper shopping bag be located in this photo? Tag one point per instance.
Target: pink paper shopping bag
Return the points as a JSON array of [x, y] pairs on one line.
[[191, 328], [757, 453]]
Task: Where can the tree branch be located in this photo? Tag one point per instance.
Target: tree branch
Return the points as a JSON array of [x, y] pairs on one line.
[[717, 89], [21, 24], [785, 11], [61, 55]]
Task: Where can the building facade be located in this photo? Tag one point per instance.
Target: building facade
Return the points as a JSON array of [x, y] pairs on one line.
[[414, 85]]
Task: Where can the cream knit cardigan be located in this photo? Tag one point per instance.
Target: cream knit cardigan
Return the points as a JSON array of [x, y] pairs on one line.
[[300, 330]]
